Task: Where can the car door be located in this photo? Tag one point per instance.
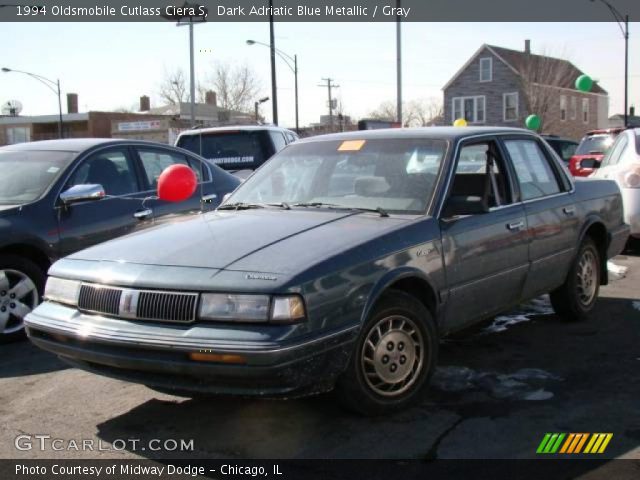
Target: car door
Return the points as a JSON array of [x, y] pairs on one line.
[[552, 219], [153, 161], [87, 223], [485, 254]]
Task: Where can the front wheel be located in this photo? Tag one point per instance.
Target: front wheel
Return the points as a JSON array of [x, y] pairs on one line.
[[394, 358], [576, 298], [21, 284]]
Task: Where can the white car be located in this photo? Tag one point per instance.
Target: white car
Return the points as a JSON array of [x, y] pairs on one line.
[[622, 164]]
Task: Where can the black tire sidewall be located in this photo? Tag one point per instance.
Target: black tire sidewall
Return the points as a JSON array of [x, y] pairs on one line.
[[353, 383], [30, 269]]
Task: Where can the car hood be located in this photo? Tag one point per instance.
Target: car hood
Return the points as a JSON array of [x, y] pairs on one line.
[[275, 241], [9, 209]]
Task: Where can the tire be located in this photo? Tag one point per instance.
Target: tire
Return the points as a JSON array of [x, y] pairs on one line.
[[576, 298], [394, 357], [16, 271]]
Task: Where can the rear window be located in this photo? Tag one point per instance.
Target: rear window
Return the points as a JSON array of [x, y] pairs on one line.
[[237, 150], [595, 144]]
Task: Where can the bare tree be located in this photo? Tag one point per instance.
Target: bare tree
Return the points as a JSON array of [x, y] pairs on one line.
[[416, 113], [173, 88], [540, 77], [237, 86]]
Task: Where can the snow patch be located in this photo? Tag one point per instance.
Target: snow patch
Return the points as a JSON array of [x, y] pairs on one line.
[[636, 304], [618, 271]]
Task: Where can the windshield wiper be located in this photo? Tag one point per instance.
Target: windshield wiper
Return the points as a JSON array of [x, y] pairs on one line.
[[240, 206], [248, 206], [380, 210]]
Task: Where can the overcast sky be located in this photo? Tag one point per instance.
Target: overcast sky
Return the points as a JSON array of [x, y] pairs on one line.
[[110, 65]]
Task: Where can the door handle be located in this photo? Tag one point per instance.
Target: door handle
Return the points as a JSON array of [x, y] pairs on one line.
[[515, 226], [569, 210], [209, 198], [143, 214]]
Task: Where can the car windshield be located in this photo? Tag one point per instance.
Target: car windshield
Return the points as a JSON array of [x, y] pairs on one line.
[[393, 175], [230, 150], [595, 144], [26, 175]]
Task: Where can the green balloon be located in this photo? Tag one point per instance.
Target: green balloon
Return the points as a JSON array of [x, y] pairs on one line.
[[532, 122], [584, 83]]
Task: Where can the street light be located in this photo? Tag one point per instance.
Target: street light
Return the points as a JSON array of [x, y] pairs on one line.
[[623, 23], [286, 58], [257, 104], [47, 83]]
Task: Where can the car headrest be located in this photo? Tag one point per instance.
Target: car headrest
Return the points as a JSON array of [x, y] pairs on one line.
[[370, 186]]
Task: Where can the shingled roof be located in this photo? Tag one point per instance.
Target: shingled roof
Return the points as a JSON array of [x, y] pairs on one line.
[[520, 61]]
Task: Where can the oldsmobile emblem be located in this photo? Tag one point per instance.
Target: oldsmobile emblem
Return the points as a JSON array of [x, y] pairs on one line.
[[260, 276]]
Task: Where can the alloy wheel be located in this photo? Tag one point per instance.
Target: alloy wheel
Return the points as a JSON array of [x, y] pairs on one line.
[[587, 280], [18, 296], [392, 355]]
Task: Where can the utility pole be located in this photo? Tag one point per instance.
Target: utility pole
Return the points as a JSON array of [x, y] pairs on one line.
[[272, 47], [329, 86], [398, 66]]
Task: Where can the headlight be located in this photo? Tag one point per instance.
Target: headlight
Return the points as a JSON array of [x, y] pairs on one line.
[[232, 307], [62, 290], [251, 308]]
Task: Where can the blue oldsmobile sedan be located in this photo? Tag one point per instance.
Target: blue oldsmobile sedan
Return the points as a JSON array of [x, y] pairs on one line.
[[340, 263]]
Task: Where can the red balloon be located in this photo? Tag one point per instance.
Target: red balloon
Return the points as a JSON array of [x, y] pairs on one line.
[[176, 183]]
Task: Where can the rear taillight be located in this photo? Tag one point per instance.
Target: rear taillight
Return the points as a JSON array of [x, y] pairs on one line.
[[630, 178]]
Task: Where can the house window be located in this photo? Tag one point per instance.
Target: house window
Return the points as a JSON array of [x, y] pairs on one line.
[[18, 135], [585, 110], [510, 106], [486, 69], [472, 109], [574, 108], [563, 107]]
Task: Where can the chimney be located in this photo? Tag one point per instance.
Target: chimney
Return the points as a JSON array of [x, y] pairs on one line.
[[72, 103], [527, 46], [210, 98], [145, 103], [632, 111]]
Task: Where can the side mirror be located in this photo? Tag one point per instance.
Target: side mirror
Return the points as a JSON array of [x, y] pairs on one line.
[[464, 205], [590, 163], [82, 193]]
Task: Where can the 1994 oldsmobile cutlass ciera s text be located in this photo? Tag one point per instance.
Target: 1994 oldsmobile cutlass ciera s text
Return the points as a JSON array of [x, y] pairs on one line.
[[339, 263]]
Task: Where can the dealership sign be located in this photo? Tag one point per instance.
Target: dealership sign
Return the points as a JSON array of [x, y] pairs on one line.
[[143, 125]]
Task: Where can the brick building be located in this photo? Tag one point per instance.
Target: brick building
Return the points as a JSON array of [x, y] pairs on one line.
[[500, 86]]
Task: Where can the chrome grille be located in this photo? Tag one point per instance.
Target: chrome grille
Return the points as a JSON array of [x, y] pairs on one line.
[[136, 304], [99, 299], [173, 307]]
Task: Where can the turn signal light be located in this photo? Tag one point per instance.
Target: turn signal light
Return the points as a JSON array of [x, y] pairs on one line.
[[217, 358]]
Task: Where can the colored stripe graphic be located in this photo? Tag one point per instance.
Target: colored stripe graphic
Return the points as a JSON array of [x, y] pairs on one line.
[[573, 443]]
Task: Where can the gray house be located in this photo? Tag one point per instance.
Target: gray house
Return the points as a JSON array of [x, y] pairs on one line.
[[500, 86]]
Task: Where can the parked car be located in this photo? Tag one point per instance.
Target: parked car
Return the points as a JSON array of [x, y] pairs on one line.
[[238, 148], [52, 203], [622, 164], [564, 147], [340, 262], [593, 146]]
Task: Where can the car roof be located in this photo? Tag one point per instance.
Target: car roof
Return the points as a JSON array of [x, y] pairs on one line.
[[436, 133], [557, 138], [76, 144], [235, 128]]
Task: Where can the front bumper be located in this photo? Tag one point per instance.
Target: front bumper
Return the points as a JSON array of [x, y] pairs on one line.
[[157, 354]]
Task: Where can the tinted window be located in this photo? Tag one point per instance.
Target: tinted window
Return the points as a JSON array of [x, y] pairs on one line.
[[155, 161], [535, 174], [595, 144], [26, 175], [231, 150], [112, 169], [278, 140]]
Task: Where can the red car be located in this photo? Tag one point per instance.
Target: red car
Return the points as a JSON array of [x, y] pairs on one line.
[[593, 146]]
